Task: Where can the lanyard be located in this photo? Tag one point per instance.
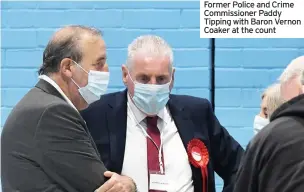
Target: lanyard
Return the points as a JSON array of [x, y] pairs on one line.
[[161, 166]]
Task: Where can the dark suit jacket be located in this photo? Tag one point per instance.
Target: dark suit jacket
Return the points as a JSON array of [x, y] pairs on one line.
[[194, 118], [46, 146]]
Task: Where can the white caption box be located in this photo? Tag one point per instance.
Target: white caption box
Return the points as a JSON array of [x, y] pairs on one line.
[[251, 19]]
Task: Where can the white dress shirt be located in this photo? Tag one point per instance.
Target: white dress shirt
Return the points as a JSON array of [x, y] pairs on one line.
[[177, 167], [54, 84]]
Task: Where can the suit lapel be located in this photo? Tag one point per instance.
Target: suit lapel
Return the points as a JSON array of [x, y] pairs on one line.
[[187, 132], [182, 121], [117, 125]]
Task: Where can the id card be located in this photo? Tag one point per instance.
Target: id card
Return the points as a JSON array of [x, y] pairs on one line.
[[159, 182]]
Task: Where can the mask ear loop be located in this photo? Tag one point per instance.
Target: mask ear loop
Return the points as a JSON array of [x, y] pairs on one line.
[[132, 82], [80, 66], [75, 83], [81, 69], [131, 77]]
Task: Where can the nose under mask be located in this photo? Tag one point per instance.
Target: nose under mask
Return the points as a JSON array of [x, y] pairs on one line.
[[97, 85], [150, 98], [259, 123]]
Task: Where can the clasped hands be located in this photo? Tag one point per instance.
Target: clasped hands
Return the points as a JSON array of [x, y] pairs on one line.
[[117, 183]]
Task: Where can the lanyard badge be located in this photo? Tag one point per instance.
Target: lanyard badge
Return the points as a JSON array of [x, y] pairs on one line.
[[159, 148]]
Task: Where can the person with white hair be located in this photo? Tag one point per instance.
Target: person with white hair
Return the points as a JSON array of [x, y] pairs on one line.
[[274, 158], [271, 99], [149, 134]]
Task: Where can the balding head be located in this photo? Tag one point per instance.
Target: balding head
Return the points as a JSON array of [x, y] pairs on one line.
[[66, 43], [70, 55], [295, 68], [292, 79]]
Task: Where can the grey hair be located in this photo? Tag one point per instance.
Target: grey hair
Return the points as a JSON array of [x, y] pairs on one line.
[[64, 44], [294, 69], [273, 99], [149, 45]]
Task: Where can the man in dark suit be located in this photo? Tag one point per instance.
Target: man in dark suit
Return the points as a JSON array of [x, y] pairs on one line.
[[146, 133], [46, 145], [273, 160]]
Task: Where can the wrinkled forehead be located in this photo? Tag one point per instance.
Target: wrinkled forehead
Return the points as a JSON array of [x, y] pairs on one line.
[[151, 65], [93, 47]]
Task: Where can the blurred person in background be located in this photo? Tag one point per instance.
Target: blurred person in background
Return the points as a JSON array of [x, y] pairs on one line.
[[271, 99], [149, 134], [46, 145], [274, 158]]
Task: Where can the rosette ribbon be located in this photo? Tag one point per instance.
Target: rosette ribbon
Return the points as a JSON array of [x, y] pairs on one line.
[[199, 157]]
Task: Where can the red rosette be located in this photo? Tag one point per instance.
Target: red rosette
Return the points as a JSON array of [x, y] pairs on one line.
[[199, 157], [198, 153]]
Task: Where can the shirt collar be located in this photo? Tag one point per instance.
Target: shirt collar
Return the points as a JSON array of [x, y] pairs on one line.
[[140, 116], [54, 84]]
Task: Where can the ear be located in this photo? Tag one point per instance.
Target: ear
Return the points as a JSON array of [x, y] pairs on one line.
[[106, 68], [66, 67], [172, 81], [124, 70], [173, 72]]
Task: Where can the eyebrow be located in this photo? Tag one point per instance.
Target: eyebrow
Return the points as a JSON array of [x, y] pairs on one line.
[[143, 74], [103, 57]]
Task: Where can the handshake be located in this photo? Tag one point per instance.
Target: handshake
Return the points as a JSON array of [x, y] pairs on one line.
[[117, 183]]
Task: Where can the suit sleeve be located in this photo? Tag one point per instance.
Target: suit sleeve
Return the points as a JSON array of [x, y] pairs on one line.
[[225, 150], [65, 150]]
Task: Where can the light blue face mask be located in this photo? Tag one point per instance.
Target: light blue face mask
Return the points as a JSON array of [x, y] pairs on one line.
[[150, 98], [97, 85]]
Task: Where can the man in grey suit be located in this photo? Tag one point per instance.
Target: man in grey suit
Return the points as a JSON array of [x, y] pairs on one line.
[[46, 145]]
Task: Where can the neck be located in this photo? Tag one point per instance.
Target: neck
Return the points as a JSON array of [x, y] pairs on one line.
[[62, 84]]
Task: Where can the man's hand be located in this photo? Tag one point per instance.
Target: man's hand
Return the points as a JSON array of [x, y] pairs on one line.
[[117, 183]]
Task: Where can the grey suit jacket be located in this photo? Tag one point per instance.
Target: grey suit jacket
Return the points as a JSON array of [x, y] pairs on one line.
[[46, 146]]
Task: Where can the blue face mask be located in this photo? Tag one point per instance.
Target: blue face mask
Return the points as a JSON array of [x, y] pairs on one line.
[[97, 85], [150, 98]]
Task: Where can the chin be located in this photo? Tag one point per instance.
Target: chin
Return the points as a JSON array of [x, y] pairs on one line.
[[82, 107], [85, 106], [148, 115], [151, 115]]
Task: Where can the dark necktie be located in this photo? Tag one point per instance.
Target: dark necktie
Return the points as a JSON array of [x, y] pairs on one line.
[[152, 150]]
